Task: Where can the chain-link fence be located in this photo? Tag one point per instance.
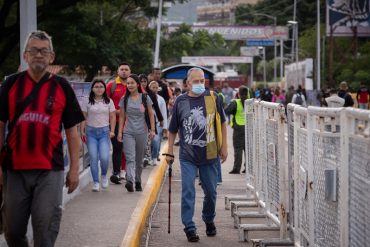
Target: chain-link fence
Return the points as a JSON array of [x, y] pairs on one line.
[[324, 182]]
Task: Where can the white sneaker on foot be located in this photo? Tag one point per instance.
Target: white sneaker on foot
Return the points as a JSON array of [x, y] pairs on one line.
[[96, 187], [154, 162], [123, 175], [104, 182]]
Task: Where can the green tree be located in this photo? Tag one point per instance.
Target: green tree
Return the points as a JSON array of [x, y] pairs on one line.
[[184, 42], [9, 29], [87, 34]]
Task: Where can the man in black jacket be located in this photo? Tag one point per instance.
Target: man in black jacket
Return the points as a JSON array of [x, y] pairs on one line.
[[345, 95], [163, 89]]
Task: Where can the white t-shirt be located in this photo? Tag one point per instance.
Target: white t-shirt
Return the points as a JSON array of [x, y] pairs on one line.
[[335, 101], [98, 113], [163, 109]]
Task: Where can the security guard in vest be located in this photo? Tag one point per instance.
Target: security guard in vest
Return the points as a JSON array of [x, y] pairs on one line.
[[236, 109]]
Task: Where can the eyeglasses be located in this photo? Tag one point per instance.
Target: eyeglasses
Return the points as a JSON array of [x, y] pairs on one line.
[[42, 51], [98, 87]]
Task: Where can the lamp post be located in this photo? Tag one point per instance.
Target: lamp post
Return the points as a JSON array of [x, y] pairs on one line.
[[318, 50], [295, 38], [158, 35], [28, 23], [275, 47], [262, 48]]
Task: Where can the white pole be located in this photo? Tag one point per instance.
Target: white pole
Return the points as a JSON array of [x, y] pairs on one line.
[[296, 55], [275, 51], [158, 35], [252, 72], [281, 58], [28, 23], [318, 50], [264, 67]]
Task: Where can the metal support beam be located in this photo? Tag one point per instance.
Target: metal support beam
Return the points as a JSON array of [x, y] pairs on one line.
[[28, 23]]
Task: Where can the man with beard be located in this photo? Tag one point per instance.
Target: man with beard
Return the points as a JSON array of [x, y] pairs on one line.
[[116, 89], [35, 104]]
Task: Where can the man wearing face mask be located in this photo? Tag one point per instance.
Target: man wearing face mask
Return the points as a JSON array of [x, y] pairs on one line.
[[193, 117]]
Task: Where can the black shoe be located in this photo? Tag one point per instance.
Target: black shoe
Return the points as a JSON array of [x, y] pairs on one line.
[[138, 186], [211, 229], [129, 186], [243, 171], [115, 179], [192, 236], [234, 172], [145, 163]]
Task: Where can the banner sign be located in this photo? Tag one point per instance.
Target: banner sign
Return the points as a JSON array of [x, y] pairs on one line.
[[251, 51], [211, 60], [347, 18], [243, 32], [260, 42]]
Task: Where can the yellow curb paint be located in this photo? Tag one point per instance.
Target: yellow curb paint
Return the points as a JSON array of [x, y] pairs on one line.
[[144, 205]]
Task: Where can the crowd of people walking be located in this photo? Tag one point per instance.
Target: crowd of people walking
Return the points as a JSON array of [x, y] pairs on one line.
[[133, 114]]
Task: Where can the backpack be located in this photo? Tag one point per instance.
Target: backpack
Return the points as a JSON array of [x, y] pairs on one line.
[[298, 100], [145, 104]]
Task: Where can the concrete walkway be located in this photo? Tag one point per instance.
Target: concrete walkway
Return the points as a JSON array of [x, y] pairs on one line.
[[227, 235], [115, 217]]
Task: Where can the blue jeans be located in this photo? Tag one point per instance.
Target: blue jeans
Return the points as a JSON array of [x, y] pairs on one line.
[[208, 178], [156, 143], [219, 173], [98, 143]]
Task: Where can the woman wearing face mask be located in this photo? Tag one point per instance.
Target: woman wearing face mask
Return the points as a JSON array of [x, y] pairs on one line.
[[158, 119], [99, 113], [136, 119]]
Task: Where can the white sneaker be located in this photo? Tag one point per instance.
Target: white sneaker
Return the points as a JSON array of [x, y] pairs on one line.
[[96, 187], [154, 162], [104, 182], [122, 175]]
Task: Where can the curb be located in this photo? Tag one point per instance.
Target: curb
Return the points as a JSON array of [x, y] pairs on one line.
[[143, 207]]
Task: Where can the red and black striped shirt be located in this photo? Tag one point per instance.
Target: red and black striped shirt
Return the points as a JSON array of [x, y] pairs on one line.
[[36, 141]]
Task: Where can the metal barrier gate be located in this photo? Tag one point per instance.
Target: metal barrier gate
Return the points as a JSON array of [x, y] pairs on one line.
[[323, 184], [266, 172]]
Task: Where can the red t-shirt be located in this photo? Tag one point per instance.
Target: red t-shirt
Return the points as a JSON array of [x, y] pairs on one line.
[[36, 141], [118, 93], [363, 95]]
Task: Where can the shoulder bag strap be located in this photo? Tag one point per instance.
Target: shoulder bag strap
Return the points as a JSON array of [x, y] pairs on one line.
[[26, 102]]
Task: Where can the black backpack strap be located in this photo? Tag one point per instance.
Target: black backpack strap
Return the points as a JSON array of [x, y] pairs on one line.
[[113, 88], [144, 100], [22, 107], [147, 118]]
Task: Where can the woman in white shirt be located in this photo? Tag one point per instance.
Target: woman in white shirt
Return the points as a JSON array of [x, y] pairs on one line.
[[97, 130], [156, 142]]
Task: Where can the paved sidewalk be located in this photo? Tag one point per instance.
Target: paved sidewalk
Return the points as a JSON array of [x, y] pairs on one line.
[[227, 235], [99, 219], [112, 217]]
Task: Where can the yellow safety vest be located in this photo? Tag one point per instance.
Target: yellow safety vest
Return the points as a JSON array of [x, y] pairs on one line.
[[239, 115]]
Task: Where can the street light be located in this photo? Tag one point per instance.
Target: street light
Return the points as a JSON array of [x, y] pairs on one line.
[[275, 49], [262, 48], [158, 35], [295, 37]]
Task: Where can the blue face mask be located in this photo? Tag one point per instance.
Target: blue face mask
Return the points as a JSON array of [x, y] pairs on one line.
[[198, 88]]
